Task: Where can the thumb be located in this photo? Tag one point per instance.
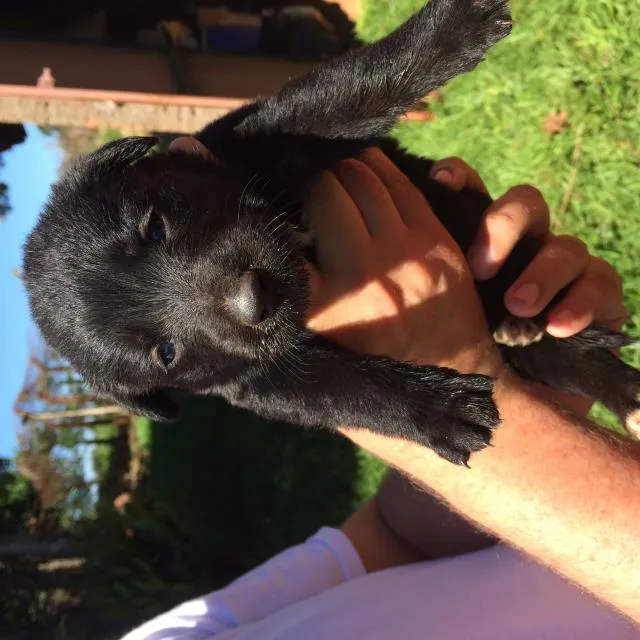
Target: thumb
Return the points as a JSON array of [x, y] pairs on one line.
[[456, 174]]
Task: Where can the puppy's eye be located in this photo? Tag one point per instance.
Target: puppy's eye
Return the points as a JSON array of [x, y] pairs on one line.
[[166, 353], [155, 231]]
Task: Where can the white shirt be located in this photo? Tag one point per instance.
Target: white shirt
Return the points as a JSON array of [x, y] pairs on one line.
[[319, 591]]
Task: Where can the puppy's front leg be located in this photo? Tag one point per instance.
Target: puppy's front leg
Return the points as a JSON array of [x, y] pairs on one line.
[[321, 385], [362, 94]]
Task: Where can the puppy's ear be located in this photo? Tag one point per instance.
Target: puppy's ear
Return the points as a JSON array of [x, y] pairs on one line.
[[113, 156], [362, 94], [157, 405]]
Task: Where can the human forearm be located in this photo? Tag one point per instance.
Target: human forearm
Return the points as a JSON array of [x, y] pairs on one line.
[[403, 524], [392, 282], [424, 521], [378, 545], [552, 486]]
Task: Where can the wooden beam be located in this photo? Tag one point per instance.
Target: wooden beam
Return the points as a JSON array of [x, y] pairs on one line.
[[46, 416], [127, 111]]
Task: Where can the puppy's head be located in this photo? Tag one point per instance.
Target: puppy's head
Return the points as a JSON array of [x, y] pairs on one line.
[[151, 272], [176, 271]]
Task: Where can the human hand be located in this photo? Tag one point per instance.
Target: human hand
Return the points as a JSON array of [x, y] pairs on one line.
[[595, 295], [391, 281], [595, 292]]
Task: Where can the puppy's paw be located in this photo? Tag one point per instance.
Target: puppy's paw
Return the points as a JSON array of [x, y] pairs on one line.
[[630, 411], [453, 415], [456, 439], [490, 18], [518, 332], [632, 420], [619, 380]]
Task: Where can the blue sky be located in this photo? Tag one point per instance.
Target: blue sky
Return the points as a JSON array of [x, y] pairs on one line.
[[29, 169]]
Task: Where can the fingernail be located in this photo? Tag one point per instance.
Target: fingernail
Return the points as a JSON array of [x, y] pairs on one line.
[[560, 323], [524, 297], [443, 176], [562, 317]]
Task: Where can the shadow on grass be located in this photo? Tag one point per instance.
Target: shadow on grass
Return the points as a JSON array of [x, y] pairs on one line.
[[247, 487]]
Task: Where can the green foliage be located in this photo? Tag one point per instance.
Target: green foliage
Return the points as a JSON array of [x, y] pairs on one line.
[[102, 452], [139, 563], [573, 56], [107, 135], [226, 489], [18, 501], [143, 429], [47, 130], [4, 200], [249, 486], [4, 196], [54, 461]]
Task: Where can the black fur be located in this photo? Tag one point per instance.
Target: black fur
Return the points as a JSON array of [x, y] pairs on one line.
[[105, 297]]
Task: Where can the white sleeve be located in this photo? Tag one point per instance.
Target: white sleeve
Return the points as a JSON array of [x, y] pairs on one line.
[[325, 560]]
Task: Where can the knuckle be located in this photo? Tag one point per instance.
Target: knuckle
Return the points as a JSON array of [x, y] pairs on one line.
[[571, 246], [372, 154], [597, 281], [538, 205], [531, 200], [400, 181], [351, 164], [509, 219], [449, 161], [608, 273], [528, 193], [622, 315], [356, 173]]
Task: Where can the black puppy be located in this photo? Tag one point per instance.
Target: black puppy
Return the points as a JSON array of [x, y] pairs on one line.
[[160, 272]]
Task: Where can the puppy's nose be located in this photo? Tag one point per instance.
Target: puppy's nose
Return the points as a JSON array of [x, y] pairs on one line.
[[251, 302]]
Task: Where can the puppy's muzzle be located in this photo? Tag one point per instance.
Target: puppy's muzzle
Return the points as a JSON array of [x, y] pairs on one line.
[[254, 299]]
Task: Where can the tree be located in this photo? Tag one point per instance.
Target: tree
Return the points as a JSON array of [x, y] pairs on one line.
[[4, 199], [4, 196], [10, 135], [18, 500]]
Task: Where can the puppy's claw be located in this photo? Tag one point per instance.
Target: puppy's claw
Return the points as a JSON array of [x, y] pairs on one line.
[[463, 421]]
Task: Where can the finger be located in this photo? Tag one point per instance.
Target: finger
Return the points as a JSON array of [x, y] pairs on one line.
[[456, 174], [561, 260], [414, 210], [190, 145], [371, 197], [317, 287], [342, 241], [520, 212], [595, 298]]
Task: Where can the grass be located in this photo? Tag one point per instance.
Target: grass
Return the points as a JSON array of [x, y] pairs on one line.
[[574, 56], [253, 487], [102, 452]]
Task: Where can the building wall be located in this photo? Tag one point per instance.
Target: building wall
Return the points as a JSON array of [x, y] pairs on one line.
[[90, 66]]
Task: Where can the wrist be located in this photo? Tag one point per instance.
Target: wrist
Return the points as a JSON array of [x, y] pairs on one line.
[[483, 357], [514, 399]]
